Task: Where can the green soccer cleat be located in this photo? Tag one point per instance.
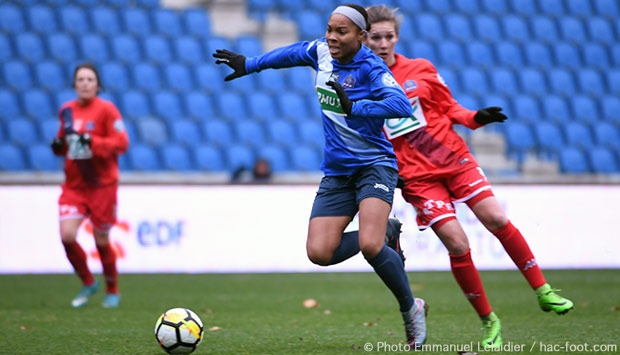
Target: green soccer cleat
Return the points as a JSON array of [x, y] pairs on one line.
[[549, 300], [491, 332], [82, 297], [392, 237], [111, 300]]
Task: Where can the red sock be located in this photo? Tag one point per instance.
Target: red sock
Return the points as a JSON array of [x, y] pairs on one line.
[[77, 258], [468, 278], [108, 262], [520, 253]]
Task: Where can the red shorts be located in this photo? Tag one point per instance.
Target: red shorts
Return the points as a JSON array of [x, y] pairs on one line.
[[98, 204], [434, 200]]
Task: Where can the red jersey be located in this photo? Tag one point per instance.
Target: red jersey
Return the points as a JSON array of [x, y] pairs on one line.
[[426, 144], [96, 165]]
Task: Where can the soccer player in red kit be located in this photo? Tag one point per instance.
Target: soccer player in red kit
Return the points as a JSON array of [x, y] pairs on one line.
[[439, 170], [91, 137]]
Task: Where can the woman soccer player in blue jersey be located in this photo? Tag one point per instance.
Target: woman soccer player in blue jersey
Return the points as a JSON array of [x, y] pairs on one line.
[[356, 92]]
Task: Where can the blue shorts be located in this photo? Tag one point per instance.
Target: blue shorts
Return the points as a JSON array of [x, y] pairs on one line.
[[341, 195]]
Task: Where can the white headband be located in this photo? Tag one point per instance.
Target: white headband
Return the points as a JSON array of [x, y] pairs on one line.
[[353, 15]]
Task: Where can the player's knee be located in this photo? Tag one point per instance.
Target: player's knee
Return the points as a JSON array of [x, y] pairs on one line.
[[318, 256]]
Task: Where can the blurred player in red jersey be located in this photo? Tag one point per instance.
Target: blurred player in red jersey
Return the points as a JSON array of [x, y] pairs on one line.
[[438, 170], [91, 137]]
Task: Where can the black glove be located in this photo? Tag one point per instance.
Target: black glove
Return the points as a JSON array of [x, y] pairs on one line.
[[57, 144], [489, 114], [85, 139], [233, 60], [400, 183], [346, 104]]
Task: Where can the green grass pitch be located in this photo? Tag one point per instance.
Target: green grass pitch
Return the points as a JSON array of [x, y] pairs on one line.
[[264, 313]]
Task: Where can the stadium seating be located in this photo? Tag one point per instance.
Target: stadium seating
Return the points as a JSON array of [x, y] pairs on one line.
[[11, 158], [549, 138], [218, 132], [22, 132], [603, 160], [142, 157], [305, 158], [41, 19], [105, 20], [176, 157], [275, 155], [10, 105], [573, 161], [185, 132], [239, 156], [38, 105], [62, 47], [519, 140], [41, 158], [198, 106], [11, 19], [136, 21], [209, 158], [50, 76], [125, 49]]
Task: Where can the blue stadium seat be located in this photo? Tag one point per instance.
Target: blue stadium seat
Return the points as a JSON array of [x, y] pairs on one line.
[[515, 29], [215, 42], [238, 156], [148, 4], [310, 24], [135, 104], [585, 109], [272, 81], [275, 155], [198, 106], [94, 48], [487, 28], [573, 161], [146, 77], [566, 55], [132, 132], [249, 45], [311, 133], [502, 101], [578, 134], [73, 20], [62, 96], [423, 49], [469, 101], [185, 132], [595, 56], [581, 8], [496, 8], [11, 158], [6, 49], [249, 132], [590, 82], [152, 131], [231, 105], [519, 140], [41, 158], [603, 160], [175, 157], [209, 78], [157, 49], [136, 21], [188, 50], [305, 158], [524, 7], [281, 132], [126, 49], [509, 55], [538, 55], [209, 158], [105, 20], [217, 132], [607, 8], [22, 132], [167, 22], [37, 104], [458, 27], [451, 54], [552, 8], [526, 108], [302, 80], [143, 157], [262, 106], [561, 82], [30, 47], [504, 81], [572, 29], [555, 109], [178, 78], [480, 54], [549, 138], [258, 8], [11, 19], [613, 81], [429, 27], [532, 81], [42, 19], [293, 105], [610, 106], [544, 29], [9, 104], [600, 30], [48, 129], [474, 81], [50, 76], [451, 79], [115, 77], [469, 8], [62, 47], [197, 22], [606, 134], [167, 105]]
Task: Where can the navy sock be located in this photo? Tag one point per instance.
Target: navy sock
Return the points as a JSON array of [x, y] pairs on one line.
[[389, 266], [349, 246]]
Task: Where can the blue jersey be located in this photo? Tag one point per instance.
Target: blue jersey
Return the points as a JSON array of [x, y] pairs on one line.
[[355, 141]]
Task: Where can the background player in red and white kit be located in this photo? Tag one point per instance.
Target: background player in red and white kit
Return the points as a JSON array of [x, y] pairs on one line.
[[91, 137], [439, 170]]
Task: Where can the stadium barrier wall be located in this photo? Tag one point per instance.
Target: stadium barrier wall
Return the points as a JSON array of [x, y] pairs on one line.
[[249, 229]]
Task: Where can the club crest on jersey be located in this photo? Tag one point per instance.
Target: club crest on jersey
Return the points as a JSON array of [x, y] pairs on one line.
[[388, 80], [410, 85], [90, 126], [349, 81]]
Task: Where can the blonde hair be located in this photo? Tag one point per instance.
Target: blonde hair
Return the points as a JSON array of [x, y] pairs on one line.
[[382, 13]]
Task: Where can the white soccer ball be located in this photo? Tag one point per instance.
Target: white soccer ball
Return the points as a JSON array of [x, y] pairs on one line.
[[179, 331]]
